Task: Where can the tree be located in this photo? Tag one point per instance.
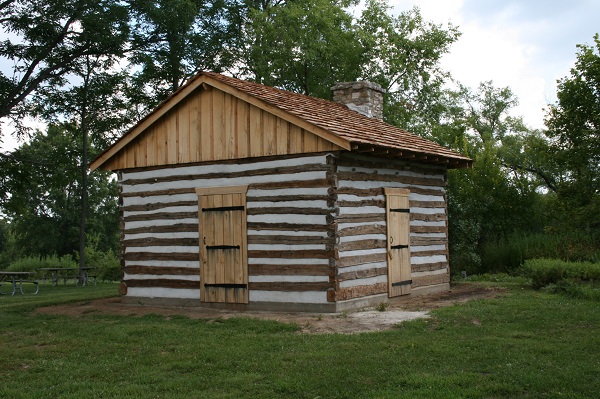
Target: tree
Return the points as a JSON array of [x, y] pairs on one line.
[[403, 56], [304, 46], [97, 108], [497, 197], [574, 130], [172, 41], [307, 46], [45, 40], [40, 194]]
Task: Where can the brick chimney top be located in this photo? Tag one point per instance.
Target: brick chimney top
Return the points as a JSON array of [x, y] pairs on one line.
[[363, 97]]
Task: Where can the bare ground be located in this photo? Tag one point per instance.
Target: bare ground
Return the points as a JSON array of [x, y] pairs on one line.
[[346, 323]]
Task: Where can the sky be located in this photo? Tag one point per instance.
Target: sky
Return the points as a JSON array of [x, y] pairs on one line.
[[523, 44]]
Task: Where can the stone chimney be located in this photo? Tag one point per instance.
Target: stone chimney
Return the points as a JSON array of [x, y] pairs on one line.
[[363, 97]]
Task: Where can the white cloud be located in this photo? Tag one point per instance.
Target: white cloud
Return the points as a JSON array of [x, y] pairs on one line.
[[525, 44]]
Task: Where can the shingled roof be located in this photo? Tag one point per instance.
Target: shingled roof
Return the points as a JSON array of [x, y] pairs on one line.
[[362, 134]]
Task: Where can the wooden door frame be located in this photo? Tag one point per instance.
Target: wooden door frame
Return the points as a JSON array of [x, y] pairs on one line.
[[219, 190], [402, 287]]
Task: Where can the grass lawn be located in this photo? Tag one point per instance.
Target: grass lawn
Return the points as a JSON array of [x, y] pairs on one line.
[[527, 344]]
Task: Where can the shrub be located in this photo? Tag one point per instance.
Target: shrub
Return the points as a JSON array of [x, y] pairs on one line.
[[33, 263], [506, 255], [107, 263], [583, 290], [544, 272]]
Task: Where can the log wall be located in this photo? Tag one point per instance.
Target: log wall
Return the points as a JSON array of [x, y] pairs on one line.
[[289, 227], [361, 269], [316, 226]]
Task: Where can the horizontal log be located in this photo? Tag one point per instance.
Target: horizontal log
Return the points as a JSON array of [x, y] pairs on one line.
[[316, 183], [287, 226], [236, 161], [427, 217], [289, 270], [359, 274], [369, 192], [430, 280], [359, 192], [361, 230], [427, 204], [161, 216], [287, 286], [360, 218], [361, 244], [282, 170], [162, 270], [429, 229], [361, 203], [162, 283], [360, 260], [162, 242], [419, 240], [153, 193], [285, 198], [359, 291], [429, 253], [288, 240], [173, 228], [173, 256], [428, 267], [298, 254], [289, 211], [408, 180], [352, 161], [158, 205]]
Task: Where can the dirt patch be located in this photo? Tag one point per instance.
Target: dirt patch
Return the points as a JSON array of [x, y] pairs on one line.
[[346, 323]]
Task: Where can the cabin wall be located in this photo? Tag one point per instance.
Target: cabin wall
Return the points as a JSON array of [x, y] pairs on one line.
[[289, 228], [316, 228], [361, 269]]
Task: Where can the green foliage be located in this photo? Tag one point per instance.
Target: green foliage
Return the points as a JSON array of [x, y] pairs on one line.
[[48, 39], [402, 55], [40, 192], [507, 254], [499, 197], [544, 272], [574, 129], [494, 278], [106, 262], [304, 46], [484, 206], [576, 289], [34, 263], [172, 40]]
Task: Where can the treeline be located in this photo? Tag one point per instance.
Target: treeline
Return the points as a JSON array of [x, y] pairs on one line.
[[90, 69]]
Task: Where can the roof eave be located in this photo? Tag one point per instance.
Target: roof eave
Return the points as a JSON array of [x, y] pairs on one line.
[[450, 161]]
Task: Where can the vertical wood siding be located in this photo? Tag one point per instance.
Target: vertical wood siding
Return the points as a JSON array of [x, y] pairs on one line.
[[210, 125]]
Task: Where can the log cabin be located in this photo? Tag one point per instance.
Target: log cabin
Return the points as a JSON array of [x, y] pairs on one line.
[[238, 195]]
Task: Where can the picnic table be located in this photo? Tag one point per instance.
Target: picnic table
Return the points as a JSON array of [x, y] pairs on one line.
[[17, 279], [80, 275]]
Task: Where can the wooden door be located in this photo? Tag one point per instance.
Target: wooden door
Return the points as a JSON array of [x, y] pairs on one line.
[[398, 241], [223, 249]]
